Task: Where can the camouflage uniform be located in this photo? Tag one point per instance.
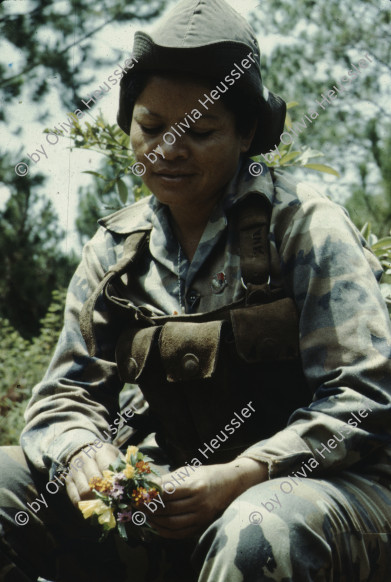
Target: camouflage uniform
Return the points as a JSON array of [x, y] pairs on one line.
[[331, 519]]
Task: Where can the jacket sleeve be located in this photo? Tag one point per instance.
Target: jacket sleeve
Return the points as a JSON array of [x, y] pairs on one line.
[[345, 340], [79, 394]]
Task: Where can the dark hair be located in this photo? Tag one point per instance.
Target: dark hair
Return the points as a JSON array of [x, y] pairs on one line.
[[243, 105]]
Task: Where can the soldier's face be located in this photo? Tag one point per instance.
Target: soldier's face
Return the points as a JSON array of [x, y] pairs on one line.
[[189, 152]]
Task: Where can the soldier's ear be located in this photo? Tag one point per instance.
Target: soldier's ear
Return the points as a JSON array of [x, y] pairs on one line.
[[248, 138]]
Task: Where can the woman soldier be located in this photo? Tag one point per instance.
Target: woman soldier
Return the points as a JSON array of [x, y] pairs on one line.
[[246, 307]]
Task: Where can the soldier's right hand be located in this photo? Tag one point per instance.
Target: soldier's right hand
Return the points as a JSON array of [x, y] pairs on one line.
[[94, 464]]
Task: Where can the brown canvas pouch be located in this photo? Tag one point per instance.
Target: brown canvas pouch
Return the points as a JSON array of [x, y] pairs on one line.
[[189, 351], [132, 352], [268, 332]]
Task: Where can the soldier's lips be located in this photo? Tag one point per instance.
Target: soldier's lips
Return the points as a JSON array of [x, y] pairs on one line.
[[173, 177]]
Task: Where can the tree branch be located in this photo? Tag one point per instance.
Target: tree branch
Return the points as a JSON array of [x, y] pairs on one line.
[[29, 68]]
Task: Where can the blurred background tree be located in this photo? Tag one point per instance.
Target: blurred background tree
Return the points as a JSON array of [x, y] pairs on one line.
[[56, 40], [31, 264], [316, 42]]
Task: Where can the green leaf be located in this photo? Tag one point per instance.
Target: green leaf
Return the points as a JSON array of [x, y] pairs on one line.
[[366, 230], [122, 530], [322, 168], [288, 157], [122, 191], [95, 174], [288, 121], [109, 186], [385, 289], [118, 465], [382, 244]]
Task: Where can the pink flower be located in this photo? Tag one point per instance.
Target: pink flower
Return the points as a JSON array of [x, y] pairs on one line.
[[124, 516], [117, 491]]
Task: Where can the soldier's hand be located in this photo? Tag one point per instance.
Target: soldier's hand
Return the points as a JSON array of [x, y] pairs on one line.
[[93, 464], [202, 495]]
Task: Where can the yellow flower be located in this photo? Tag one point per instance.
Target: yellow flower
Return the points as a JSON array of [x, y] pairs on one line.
[[129, 471], [108, 475], [97, 506], [92, 506], [139, 495], [132, 450], [100, 484], [107, 517]]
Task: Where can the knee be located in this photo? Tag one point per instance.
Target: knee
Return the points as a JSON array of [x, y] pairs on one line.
[[266, 535], [13, 470]]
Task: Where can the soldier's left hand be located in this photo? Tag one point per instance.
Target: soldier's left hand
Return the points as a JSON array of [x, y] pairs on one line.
[[203, 495]]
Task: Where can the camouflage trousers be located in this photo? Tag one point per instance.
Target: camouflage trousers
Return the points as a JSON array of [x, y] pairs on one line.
[[286, 530]]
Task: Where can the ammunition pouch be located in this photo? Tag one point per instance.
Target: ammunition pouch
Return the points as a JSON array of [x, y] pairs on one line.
[[196, 375]]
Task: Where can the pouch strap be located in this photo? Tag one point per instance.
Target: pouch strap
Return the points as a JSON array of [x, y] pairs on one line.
[[133, 247]]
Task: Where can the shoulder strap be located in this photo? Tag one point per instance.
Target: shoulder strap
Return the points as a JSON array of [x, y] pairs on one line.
[[254, 223], [133, 246]]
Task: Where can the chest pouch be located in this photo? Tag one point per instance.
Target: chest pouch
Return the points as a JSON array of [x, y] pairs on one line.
[[197, 375]]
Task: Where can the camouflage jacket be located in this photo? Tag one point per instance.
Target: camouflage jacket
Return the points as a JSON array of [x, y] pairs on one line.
[[323, 263]]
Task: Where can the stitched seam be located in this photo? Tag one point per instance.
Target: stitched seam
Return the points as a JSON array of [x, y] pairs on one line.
[[190, 23]]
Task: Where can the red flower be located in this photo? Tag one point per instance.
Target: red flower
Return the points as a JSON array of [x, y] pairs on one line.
[[143, 467]]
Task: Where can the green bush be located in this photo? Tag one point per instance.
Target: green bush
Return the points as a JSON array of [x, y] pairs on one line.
[[23, 364], [382, 249]]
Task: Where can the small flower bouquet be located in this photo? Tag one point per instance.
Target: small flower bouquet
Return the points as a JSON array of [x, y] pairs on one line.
[[121, 491]]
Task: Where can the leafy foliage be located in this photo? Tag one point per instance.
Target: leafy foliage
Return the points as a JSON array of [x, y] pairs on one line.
[[110, 140], [23, 363], [301, 157], [49, 49], [114, 184], [364, 205], [382, 249]]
